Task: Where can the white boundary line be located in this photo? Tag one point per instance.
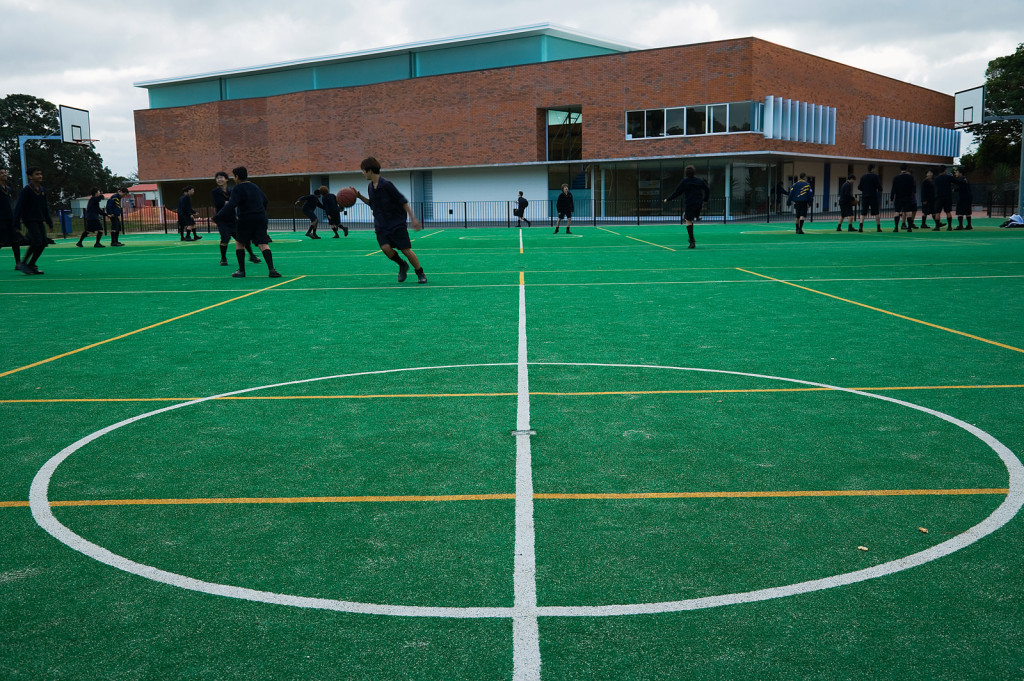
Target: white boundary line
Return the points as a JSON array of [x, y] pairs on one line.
[[525, 628], [525, 612]]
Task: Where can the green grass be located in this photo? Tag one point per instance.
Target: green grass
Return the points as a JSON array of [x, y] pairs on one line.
[[946, 332]]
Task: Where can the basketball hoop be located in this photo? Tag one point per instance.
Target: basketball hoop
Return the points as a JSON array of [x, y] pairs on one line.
[[86, 142]]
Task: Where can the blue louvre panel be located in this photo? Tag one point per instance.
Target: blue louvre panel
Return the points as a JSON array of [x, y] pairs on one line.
[[790, 119], [889, 134]]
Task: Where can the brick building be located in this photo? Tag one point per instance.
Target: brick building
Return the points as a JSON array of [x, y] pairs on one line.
[[475, 119]]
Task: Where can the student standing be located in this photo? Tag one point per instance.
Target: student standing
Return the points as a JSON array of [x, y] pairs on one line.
[[800, 195], [870, 188], [187, 215], [310, 203], [521, 204], [115, 209], [227, 225], [847, 202], [928, 200], [904, 201], [390, 209], [565, 207], [93, 212], [9, 236], [943, 199], [695, 192], [33, 210], [964, 200], [330, 205], [249, 204]]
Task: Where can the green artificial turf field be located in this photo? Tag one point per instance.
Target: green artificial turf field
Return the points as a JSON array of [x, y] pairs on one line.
[[589, 456]]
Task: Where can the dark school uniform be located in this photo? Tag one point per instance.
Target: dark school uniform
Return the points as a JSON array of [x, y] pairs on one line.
[[904, 193], [329, 202], [33, 211], [943, 193], [964, 197], [115, 211], [870, 187], [309, 205], [9, 236], [226, 225], [250, 204], [185, 212], [93, 215], [389, 216], [928, 196], [695, 192], [565, 205], [846, 200], [800, 195]]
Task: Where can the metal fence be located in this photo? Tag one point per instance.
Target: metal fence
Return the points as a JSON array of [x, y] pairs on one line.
[[286, 217]]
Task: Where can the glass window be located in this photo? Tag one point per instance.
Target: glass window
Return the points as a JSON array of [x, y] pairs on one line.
[[634, 124], [655, 122], [719, 114], [739, 116], [696, 120], [675, 121]]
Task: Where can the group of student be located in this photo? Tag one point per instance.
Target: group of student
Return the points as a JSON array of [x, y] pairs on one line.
[[241, 216], [33, 211], [936, 194], [323, 199], [565, 206]]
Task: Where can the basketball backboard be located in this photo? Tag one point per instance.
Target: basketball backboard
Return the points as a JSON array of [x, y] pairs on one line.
[[970, 107], [74, 125]]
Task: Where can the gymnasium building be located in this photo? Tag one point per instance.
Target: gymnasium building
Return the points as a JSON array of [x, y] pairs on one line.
[[462, 125]]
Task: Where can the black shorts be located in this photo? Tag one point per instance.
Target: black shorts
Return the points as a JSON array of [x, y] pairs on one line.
[[334, 219], [115, 223], [869, 205], [944, 204], [904, 204], [692, 212], [252, 232], [311, 214], [396, 237], [227, 231], [800, 208], [186, 223], [927, 207], [35, 232], [964, 209], [93, 225], [565, 215], [846, 210]]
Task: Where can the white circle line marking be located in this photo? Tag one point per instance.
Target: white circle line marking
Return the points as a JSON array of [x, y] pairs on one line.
[[41, 512]]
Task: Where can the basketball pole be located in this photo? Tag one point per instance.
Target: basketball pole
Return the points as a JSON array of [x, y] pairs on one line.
[[21, 151], [1020, 180]]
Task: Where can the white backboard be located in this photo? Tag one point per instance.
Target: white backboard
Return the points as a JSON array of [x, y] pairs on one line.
[[970, 106], [74, 124]]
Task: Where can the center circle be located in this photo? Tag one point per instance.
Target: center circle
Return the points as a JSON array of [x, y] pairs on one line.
[[41, 511]]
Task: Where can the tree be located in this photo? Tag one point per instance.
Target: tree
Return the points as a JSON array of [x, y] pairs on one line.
[[70, 170], [999, 142]]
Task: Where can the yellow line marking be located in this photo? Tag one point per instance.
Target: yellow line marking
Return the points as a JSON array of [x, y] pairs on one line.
[[429, 235], [878, 309], [640, 240], [522, 278], [498, 497], [145, 328], [60, 400]]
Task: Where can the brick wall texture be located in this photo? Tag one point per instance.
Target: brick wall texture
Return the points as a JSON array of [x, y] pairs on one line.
[[495, 116]]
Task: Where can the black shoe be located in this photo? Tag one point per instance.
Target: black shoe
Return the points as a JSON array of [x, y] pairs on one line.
[[117, 244], [345, 230], [223, 263], [839, 228], [254, 259], [336, 236], [239, 274], [182, 239], [32, 269], [422, 278], [274, 274], [693, 244], [309, 234], [936, 229], [79, 244], [851, 229], [878, 228], [403, 271], [949, 228], [22, 267], [98, 246], [799, 231], [528, 224], [567, 231], [196, 237], [49, 242], [895, 230], [556, 230], [958, 229], [315, 235]]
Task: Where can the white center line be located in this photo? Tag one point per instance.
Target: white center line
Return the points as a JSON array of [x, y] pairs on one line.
[[525, 630]]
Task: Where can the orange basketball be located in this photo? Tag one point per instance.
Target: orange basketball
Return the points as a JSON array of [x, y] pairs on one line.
[[347, 197]]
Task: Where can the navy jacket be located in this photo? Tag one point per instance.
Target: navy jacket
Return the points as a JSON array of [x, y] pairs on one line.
[[870, 185], [219, 198], [801, 192], [904, 186], [964, 198], [330, 204], [695, 189], [92, 209], [565, 203], [943, 186], [114, 206], [32, 207], [387, 204], [250, 202], [185, 211]]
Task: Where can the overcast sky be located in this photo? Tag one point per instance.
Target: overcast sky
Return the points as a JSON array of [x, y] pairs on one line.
[[88, 55]]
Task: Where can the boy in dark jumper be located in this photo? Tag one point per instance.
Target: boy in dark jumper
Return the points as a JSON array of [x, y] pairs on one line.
[[251, 205], [390, 209]]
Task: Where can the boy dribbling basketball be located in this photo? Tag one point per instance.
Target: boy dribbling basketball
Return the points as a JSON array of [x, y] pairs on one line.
[[390, 209]]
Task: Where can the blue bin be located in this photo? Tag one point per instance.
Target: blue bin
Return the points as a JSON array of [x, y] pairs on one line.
[[65, 222]]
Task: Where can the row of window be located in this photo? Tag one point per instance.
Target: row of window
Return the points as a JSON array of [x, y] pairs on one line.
[[703, 119]]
